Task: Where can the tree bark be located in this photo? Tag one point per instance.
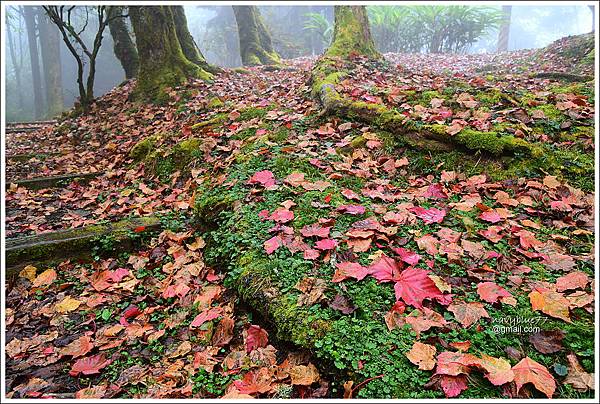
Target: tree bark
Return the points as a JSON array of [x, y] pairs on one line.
[[504, 33], [123, 47], [351, 33], [162, 62], [30, 23], [189, 47], [593, 17], [256, 47], [50, 45]]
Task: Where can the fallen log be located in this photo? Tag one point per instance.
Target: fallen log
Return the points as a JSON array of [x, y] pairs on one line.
[[22, 157], [55, 181], [46, 248]]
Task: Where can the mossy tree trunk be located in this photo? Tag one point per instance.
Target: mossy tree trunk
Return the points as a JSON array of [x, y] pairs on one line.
[[256, 47], [188, 46], [50, 46], [123, 45], [351, 33], [162, 62]]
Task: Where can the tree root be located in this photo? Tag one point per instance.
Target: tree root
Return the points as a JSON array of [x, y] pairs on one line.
[[563, 76], [326, 76]]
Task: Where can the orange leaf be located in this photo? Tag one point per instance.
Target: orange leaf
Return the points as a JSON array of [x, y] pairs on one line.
[[551, 303], [422, 355], [529, 371]]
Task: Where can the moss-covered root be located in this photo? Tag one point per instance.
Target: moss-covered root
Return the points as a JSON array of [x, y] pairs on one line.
[[291, 322], [256, 47], [432, 137]]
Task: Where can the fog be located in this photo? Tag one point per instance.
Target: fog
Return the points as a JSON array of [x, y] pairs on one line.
[[214, 30]]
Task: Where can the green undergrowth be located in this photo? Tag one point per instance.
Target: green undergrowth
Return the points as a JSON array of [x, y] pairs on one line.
[[359, 345]]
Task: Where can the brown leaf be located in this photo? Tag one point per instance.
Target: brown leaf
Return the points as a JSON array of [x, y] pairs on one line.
[[547, 341], [79, 347], [45, 278], [304, 375], [468, 314], [224, 332], [312, 291], [577, 377], [422, 355], [573, 280]]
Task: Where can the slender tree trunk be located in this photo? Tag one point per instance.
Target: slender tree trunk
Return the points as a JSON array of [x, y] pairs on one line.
[[38, 99], [593, 17], [123, 45], [16, 66], [162, 62], [351, 33], [504, 33], [189, 47], [256, 47], [50, 45]]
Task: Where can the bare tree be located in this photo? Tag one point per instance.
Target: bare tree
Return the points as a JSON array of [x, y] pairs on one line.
[[504, 33], [62, 16]]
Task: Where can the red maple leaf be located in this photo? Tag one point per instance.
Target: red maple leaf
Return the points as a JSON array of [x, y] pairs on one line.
[[206, 315], [326, 244], [90, 365], [257, 338], [413, 286], [282, 215], [411, 258], [311, 230], [265, 178], [385, 269], [429, 216], [352, 209], [347, 270]]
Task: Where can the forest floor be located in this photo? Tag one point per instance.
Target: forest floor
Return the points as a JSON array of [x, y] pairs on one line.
[[313, 256]]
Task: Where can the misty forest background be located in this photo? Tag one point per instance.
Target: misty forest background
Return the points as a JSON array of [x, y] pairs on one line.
[[296, 31]]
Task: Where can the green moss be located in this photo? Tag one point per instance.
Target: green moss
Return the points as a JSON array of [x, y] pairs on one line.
[[143, 148], [427, 96], [349, 35], [240, 70], [490, 142], [550, 111], [215, 102]]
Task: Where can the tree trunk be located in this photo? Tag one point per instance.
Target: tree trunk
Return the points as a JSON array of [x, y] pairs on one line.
[[189, 47], [123, 47], [351, 33], [50, 45], [38, 100], [16, 65], [162, 62], [504, 33], [256, 47], [593, 18]]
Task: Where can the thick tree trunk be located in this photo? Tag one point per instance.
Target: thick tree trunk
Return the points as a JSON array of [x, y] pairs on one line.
[[162, 62], [123, 47], [256, 47], [38, 99], [504, 33], [50, 45], [189, 47], [351, 33]]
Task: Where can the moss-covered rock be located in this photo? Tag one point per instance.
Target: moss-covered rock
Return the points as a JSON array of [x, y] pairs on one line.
[[143, 148]]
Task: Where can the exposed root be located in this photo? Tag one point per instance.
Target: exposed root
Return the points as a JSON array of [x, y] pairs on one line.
[[564, 76]]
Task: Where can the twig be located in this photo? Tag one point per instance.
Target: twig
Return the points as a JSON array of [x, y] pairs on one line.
[[361, 384]]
